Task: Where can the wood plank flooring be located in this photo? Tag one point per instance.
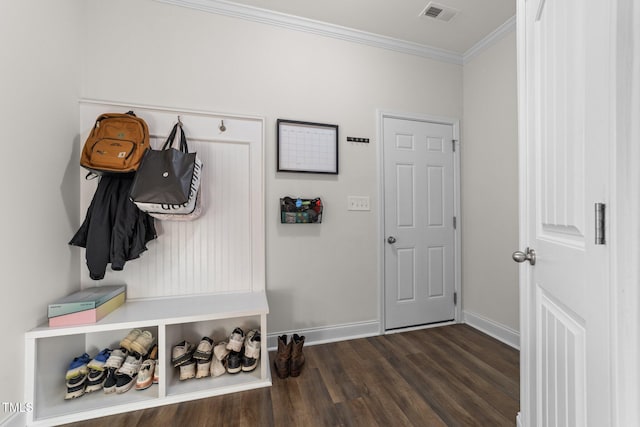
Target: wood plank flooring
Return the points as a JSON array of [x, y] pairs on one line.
[[446, 376]]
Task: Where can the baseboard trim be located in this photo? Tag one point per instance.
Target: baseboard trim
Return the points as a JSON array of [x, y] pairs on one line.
[[15, 420], [494, 329], [519, 420], [417, 328], [327, 334]]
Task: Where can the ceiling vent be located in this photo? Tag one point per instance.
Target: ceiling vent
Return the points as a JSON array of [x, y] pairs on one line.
[[439, 12]]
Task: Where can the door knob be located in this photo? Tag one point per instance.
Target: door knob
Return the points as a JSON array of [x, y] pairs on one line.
[[528, 255], [391, 239]]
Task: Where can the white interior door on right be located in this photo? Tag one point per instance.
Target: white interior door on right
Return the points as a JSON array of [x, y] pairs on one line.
[[565, 168]]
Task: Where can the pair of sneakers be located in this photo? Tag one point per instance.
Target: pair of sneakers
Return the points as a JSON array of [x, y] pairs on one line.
[[138, 341], [208, 360], [244, 351], [97, 371], [126, 362], [86, 375], [76, 376], [121, 371], [216, 366], [203, 358], [195, 362]]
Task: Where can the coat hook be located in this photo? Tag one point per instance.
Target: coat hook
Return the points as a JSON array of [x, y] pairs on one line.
[[179, 122], [222, 126]]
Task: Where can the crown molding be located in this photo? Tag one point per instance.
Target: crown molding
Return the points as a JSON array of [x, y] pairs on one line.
[[296, 23], [493, 37]]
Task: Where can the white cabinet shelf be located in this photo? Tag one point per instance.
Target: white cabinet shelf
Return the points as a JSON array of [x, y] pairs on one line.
[[171, 320]]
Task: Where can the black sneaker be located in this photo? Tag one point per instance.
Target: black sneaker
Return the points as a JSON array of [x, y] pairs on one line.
[[125, 382], [109, 385], [76, 386], [127, 375], [234, 364], [111, 366], [95, 380]]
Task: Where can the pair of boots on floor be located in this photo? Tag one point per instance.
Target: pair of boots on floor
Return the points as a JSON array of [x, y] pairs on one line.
[[289, 359]]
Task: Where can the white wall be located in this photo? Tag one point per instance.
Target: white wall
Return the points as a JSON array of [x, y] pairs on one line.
[[318, 275], [158, 54], [490, 185], [39, 84]]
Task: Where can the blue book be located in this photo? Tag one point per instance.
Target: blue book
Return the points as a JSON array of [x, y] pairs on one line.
[[86, 299]]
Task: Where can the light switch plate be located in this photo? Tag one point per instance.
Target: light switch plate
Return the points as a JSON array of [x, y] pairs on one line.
[[358, 203]]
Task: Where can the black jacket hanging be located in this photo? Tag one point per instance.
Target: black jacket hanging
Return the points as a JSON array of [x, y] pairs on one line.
[[114, 230]]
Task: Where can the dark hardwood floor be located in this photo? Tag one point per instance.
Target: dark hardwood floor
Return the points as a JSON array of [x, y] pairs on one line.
[[447, 376]]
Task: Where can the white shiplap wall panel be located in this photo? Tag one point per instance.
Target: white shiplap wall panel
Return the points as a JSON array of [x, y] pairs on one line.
[[223, 250]]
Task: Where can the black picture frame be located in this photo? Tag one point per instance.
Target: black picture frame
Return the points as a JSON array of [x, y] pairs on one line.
[[307, 147]]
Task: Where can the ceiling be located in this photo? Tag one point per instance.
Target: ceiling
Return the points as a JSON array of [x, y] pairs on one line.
[[400, 19]]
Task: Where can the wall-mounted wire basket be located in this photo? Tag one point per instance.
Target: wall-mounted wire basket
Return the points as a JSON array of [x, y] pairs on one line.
[[294, 210]]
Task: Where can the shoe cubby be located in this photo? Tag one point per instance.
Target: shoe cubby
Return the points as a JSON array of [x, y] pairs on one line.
[[171, 320], [218, 330], [53, 356]]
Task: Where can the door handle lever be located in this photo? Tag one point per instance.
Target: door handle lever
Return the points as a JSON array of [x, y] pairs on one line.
[[527, 255]]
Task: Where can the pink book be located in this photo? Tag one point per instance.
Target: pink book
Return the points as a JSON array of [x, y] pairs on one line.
[[88, 316]]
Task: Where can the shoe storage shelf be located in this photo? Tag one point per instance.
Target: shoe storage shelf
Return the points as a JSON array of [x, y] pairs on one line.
[[170, 320]]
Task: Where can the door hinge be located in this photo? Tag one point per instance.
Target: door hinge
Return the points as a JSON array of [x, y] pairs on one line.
[[455, 298], [455, 222], [600, 218], [453, 144]]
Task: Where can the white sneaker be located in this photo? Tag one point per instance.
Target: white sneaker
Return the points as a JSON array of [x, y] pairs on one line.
[[188, 370], [252, 344], [130, 338], [181, 353], [203, 352], [220, 350], [202, 368], [147, 370], [142, 343], [249, 359], [116, 358], [236, 339], [217, 368], [131, 365]]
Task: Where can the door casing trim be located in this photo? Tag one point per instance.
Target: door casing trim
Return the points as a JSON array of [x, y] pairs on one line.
[[457, 252]]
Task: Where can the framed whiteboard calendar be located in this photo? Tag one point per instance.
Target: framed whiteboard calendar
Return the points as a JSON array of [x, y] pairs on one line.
[[307, 147]]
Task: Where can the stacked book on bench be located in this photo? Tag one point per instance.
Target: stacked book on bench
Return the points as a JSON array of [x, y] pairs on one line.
[[86, 306]]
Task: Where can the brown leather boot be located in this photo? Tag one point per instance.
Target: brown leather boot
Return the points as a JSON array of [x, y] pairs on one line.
[[297, 357], [283, 357]]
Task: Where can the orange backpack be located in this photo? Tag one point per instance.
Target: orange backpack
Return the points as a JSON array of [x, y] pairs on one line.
[[116, 144]]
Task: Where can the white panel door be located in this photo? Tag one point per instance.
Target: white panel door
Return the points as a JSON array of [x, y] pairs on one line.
[[419, 209], [565, 129]]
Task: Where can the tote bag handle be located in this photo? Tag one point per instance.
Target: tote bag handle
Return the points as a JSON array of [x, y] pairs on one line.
[[172, 136]]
